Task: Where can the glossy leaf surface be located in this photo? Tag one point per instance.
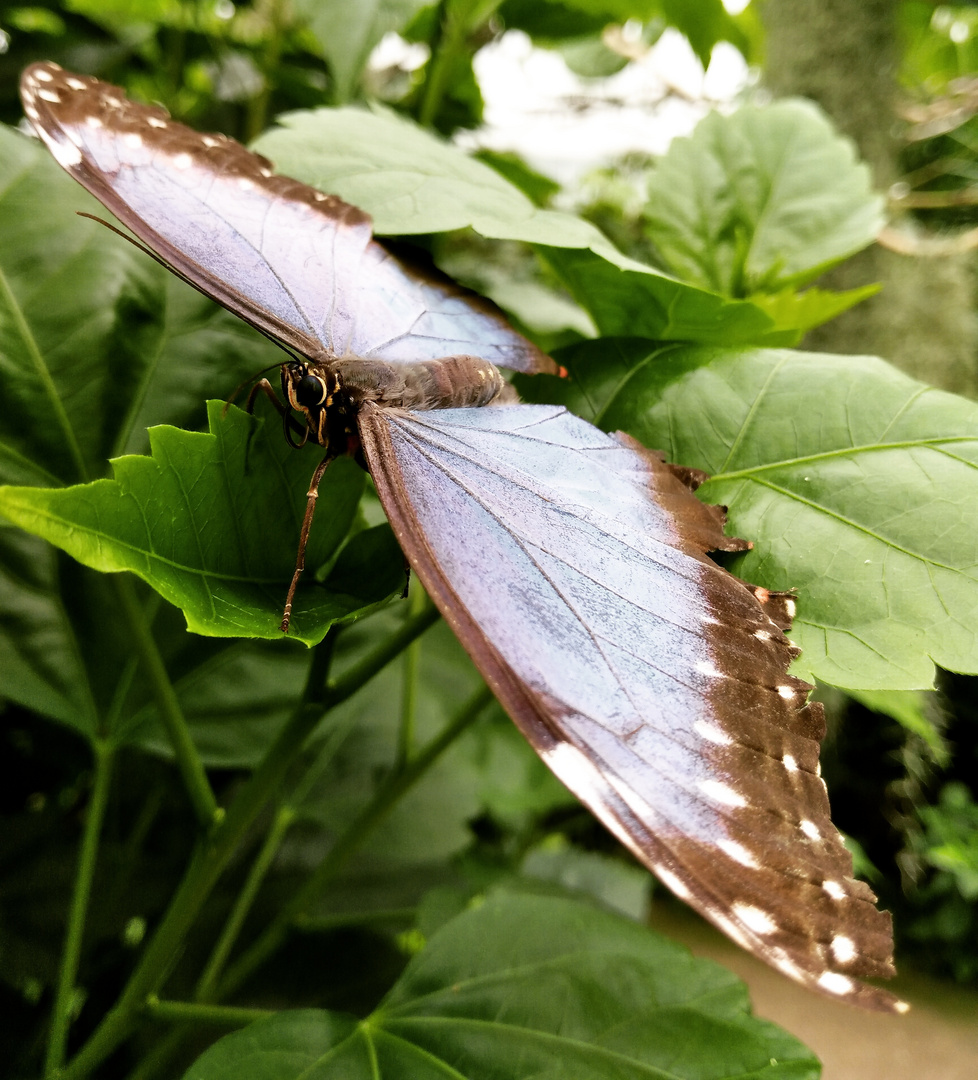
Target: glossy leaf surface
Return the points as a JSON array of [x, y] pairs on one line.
[[166, 519], [767, 197], [524, 986]]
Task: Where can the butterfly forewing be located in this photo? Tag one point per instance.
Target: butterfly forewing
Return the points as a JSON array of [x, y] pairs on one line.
[[298, 264], [571, 564]]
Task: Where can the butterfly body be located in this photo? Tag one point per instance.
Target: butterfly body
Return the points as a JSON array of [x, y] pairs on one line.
[[572, 564]]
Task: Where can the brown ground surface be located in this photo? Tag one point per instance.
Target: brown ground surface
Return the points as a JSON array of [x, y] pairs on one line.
[[936, 1040]]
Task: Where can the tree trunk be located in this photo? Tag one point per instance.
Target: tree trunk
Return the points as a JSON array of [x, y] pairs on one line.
[[845, 56]]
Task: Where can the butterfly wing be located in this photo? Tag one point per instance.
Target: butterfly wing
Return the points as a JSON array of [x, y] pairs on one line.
[[219, 216], [572, 566]]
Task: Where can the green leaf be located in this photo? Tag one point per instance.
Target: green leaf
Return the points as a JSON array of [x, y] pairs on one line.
[[212, 522], [704, 22], [348, 32], [857, 486], [800, 312], [622, 886], [411, 182], [768, 197], [529, 986]]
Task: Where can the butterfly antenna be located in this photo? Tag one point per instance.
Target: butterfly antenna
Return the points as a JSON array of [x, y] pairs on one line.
[[193, 284]]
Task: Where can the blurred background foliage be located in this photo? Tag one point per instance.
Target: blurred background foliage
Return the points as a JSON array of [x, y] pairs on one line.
[[234, 67]]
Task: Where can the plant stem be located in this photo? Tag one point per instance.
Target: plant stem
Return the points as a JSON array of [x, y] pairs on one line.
[[394, 787], [442, 53], [81, 895], [196, 1013], [188, 760], [229, 934], [216, 849]]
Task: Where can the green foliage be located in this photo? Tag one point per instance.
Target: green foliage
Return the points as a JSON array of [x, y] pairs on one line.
[[945, 920], [767, 198], [375, 811], [507, 990]]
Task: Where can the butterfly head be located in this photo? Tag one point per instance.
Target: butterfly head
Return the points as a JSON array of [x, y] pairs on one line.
[[311, 391]]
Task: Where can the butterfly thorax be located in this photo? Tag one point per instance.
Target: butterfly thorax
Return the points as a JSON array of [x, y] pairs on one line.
[[330, 393]]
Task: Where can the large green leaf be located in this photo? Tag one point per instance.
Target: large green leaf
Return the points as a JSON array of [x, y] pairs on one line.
[[529, 986], [857, 485], [212, 522], [412, 182], [765, 198]]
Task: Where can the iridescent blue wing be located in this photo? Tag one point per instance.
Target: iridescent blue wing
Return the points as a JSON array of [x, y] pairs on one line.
[[299, 265], [572, 566]]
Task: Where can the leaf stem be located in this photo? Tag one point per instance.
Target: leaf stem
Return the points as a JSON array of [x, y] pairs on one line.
[[215, 850], [396, 785], [196, 1013], [188, 760], [81, 895]]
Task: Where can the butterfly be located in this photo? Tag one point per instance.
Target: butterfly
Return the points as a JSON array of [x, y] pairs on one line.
[[571, 564]]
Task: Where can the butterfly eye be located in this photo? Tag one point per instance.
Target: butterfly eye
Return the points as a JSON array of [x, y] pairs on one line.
[[310, 391]]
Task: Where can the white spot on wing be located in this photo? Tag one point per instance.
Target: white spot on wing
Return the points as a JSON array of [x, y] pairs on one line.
[[704, 667], [789, 763], [790, 607], [722, 793], [75, 84], [49, 95], [182, 161], [754, 918], [711, 733], [843, 949], [65, 153], [93, 121], [787, 692], [43, 75], [762, 635], [245, 184], [834, 889], [737, 852], [810, 829], [209, 141], [672, 882], [133, 140], [155, 122], [836, 983]]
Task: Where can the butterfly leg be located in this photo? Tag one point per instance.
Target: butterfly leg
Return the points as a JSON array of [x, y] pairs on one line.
[[300, 560]]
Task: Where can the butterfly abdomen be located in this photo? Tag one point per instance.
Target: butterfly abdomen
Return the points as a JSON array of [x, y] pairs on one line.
[[450, 382]]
